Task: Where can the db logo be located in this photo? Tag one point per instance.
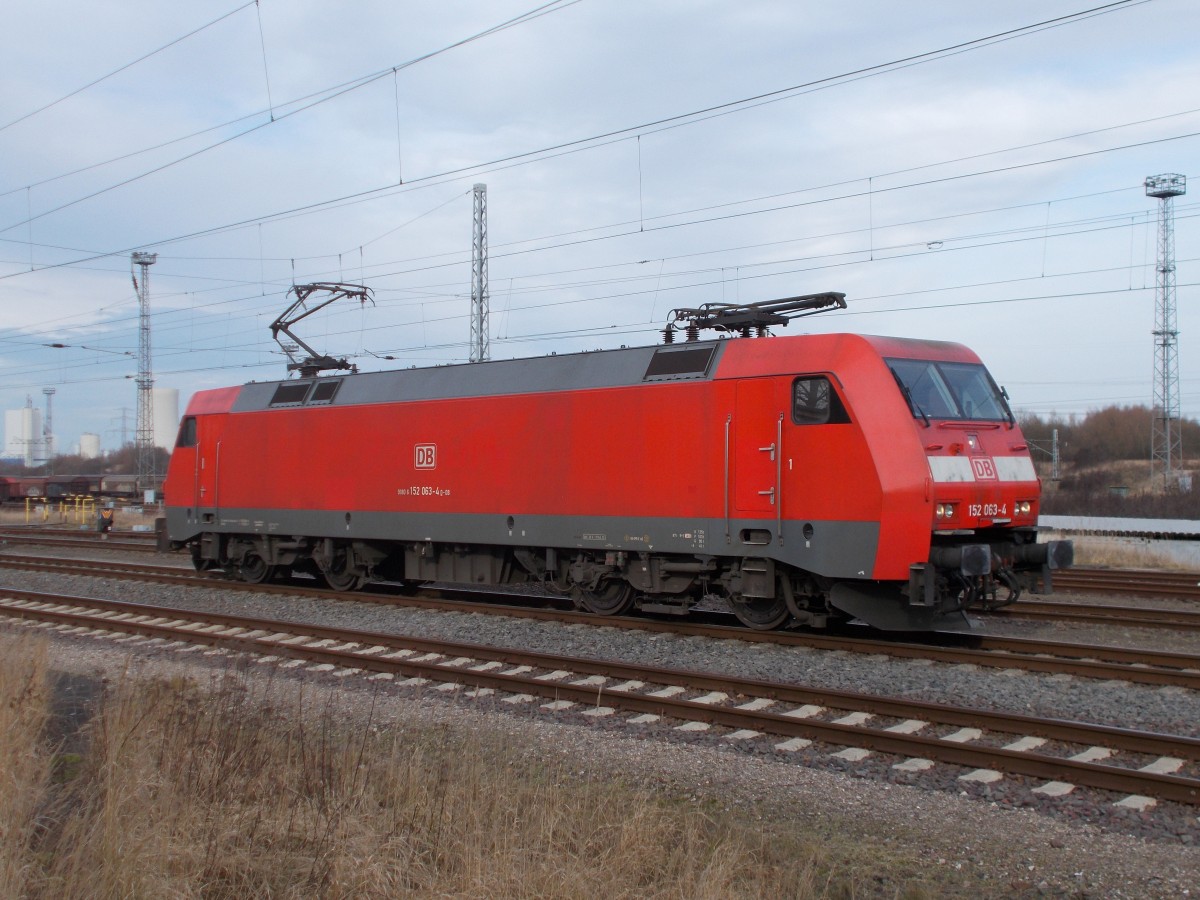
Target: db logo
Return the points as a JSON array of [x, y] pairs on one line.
[[985, 469], [426, 456]]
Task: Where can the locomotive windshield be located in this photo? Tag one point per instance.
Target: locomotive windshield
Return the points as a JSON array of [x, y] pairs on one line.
[[950, 390]]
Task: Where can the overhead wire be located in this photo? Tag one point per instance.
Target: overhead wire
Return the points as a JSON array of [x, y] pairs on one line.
[[1039, 233], [545, 9], [256, 346], [623, 133], [128, 65], [1032, 232], [718, 218], [859, 194], [610, 331], [724, 205]]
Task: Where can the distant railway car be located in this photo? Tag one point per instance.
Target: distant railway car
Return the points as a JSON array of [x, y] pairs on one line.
[[799, 479], [18, 488], [59, 487], [119, 486]]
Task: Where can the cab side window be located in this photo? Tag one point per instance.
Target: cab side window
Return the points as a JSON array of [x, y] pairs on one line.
[[815, 402], [187, 432]]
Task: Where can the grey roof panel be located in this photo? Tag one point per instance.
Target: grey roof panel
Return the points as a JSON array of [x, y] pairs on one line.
[[543, 374]]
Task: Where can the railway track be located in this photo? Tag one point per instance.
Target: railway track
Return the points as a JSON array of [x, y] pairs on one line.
[[134, 541], [1141, 768], [1051, 657], [1130, 582], [1081, 579], [1026, 609], [1127, 616]]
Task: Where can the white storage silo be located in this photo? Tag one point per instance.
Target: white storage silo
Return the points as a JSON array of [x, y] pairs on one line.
[[166, 416], [23, 434]]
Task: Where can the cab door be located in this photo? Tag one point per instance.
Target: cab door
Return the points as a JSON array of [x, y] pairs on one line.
[[181, 485], [196, 466], [208, 463], [756, 451]]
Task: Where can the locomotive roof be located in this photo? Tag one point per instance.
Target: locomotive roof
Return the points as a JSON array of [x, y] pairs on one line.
[[569, 372], [691, 361]]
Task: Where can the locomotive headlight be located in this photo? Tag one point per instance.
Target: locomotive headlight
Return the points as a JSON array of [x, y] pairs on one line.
[[1024, 507], [945, 510]]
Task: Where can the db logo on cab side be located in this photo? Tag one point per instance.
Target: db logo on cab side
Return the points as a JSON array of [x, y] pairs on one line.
[[425, 456]]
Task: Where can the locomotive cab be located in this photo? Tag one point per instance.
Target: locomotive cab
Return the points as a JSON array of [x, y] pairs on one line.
[[983, 489]]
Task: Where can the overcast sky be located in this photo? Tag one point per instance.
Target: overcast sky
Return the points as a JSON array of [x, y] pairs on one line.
[[961, 171]]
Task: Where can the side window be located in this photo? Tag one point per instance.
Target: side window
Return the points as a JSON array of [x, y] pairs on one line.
[[815, 402], [187, 432]]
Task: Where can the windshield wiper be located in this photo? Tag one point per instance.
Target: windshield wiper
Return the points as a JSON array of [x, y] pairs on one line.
[[913, 406], [1012, 420]]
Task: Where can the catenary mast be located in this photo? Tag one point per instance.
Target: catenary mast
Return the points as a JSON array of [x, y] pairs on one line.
[[480, 349], [144, 439], [1166, 452]]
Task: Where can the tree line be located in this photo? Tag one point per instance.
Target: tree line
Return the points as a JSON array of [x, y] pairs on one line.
[[1112, 434], [118, 462], [1105, 464]]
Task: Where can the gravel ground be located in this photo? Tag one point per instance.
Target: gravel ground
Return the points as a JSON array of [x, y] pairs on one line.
[[995, 836]]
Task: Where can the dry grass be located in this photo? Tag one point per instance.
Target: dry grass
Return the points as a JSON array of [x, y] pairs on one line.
[[1091, 552], [180, 792], [25, 768], [1121, 558]]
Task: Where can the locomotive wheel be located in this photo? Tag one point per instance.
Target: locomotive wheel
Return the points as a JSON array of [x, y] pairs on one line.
[[253, 569], [344, 581], [613, 599], [760, 613], [199, 563]]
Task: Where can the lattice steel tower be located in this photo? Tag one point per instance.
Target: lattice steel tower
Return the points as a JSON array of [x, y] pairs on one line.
[[480, 349], [1166, 451], [144, 439]]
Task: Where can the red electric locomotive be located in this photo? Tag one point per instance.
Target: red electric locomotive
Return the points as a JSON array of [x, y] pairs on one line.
[[798, 479]]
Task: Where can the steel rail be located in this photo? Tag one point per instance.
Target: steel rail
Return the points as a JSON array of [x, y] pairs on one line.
[[80, 531], [1098, 579], [65, 539], [1136, 582], [1134, 616], [1051, 657], [270, 637]]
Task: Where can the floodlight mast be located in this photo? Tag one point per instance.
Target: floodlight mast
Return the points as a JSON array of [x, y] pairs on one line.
[[315, 362], [749, 317], [1166, 453]]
